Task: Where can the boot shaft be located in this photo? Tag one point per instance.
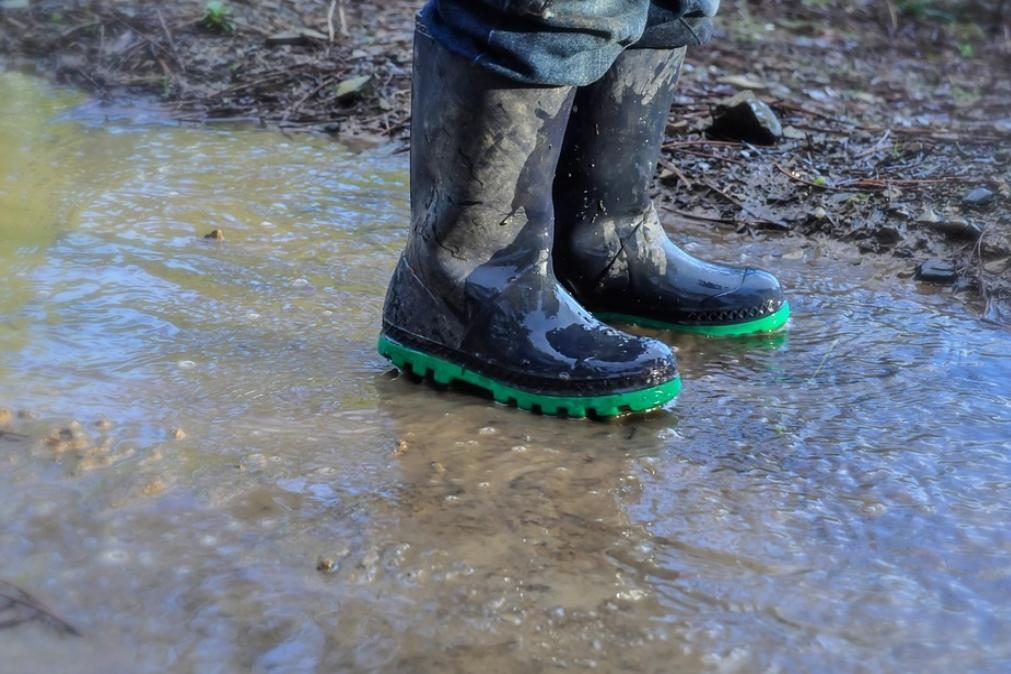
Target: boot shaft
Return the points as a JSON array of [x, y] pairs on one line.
[[484, 151], [614, 137]]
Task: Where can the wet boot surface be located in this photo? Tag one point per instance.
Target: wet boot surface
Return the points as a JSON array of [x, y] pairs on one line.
[[611, 250], [474, 298]]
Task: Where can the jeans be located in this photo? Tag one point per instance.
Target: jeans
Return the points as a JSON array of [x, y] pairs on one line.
[[563, 42]]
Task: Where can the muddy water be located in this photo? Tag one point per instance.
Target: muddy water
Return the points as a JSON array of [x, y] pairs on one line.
[[218, 474]]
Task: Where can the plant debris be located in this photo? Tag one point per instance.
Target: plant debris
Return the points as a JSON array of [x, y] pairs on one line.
[[17, 607], [886, 116]]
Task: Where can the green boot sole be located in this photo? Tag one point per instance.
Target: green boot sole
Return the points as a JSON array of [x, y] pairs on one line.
[[770, 323], [610, 405]]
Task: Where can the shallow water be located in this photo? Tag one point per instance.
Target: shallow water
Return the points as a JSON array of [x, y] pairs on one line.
[[249, 488]]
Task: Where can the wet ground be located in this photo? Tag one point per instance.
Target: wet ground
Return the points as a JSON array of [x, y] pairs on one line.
[[896, 118], [214, 471]]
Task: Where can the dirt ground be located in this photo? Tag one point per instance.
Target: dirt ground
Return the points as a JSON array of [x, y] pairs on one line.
[[896, 117]]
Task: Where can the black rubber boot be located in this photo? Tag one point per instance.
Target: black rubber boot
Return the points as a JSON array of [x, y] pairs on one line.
[[474, 297], [611, 250]]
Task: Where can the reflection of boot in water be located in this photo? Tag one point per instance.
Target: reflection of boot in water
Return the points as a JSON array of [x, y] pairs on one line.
[[610, 249], [474, 297]]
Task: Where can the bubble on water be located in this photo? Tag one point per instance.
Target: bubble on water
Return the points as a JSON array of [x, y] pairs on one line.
[[632, 595], [300, 283], [669, 434], [186, 364], [487, 430], [253, 316], [115, 556], [519, 448]]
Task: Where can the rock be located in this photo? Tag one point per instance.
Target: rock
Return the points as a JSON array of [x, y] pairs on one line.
[[745, 117], [352, 88], [991, 267], [956, 227], [303, 37], [936, 271], [978, 197], [928, 216], [215, 235], [5, 416], [888, 234], [178, 434]]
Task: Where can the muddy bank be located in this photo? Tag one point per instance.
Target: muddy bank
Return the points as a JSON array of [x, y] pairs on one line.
[[895, 126], [289, 65]]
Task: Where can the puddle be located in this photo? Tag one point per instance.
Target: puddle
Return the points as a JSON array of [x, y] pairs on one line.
[[247, 488]]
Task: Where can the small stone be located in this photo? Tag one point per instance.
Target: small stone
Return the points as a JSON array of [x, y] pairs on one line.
[[745, 117], [215, 235], [401, 448], [154, 487], [26, 414], [326, 564], [928, 216], [303, 37], [352, 88], [936, 271], [978, 197], [991, 267], [103, 424], [956, 227], [178, 434], [5, 416]]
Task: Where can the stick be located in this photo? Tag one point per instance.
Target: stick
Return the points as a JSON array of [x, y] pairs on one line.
[[338, 7]]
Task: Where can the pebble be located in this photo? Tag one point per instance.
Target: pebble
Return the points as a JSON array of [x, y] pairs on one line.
[[215, 235], [936, 271], [178, 434], [745, 117], [978, 197]]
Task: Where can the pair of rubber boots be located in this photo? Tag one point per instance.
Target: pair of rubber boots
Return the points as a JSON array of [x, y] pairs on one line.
[[532, 224]]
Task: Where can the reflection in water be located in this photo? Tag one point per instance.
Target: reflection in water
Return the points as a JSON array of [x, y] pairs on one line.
[[249, 489]]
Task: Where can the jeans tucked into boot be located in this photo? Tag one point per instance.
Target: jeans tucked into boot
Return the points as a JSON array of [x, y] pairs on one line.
[[563, 42]]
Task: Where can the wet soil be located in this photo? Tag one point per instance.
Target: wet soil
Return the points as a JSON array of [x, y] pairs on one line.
[[892, 117]]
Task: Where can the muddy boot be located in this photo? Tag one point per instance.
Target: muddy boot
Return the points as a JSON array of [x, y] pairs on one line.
[[610, 248], [474, 297]]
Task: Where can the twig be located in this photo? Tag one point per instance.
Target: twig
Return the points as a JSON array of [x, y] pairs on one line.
[[823, 360], [693, 216], [298, 104], [338, 7], [171, 42], [715, 157], [877, 146], [18, 607], [737, 202], [670, 166]]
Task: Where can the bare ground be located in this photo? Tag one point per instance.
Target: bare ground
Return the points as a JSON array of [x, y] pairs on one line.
[[892, 113]]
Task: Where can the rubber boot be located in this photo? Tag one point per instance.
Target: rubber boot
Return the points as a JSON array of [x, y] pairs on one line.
[[474, 297], [611, 250]]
